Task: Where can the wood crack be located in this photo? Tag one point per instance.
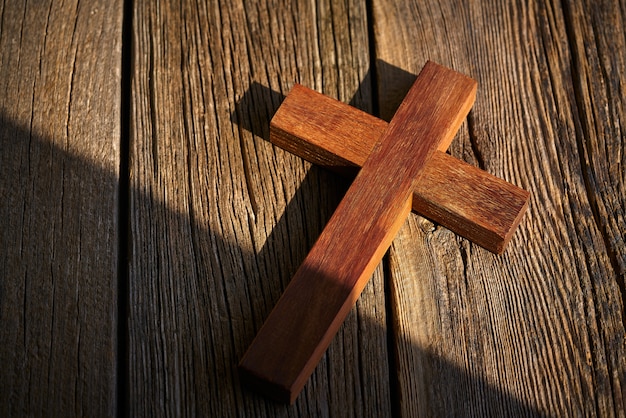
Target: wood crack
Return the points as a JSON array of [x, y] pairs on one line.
[[249, 181], [373, 74], [393, 338], [123, 214], [480, 159], [152, 74]]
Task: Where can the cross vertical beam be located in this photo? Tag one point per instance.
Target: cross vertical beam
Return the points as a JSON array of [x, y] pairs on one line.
[[326, 286]]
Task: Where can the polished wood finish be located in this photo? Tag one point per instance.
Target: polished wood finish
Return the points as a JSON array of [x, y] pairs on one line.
[[331, 278], [469, 201]]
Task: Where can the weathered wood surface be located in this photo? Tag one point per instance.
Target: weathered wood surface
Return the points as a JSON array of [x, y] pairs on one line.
[[60, 68], [220, 219], [540, 329]]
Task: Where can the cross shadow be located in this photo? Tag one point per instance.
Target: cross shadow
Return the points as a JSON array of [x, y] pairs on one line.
[[257, 106], [185, 310]]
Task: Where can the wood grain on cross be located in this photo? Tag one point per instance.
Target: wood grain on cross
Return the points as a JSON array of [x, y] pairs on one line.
[[465, 199], [328, 283]]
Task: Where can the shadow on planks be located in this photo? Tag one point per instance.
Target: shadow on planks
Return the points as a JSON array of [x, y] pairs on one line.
[[41, 318]]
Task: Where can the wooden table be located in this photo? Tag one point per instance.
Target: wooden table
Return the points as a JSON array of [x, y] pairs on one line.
[[148, 226]]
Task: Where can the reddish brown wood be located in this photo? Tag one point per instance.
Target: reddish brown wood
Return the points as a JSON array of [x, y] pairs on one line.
[[468, 201], [325, 287]]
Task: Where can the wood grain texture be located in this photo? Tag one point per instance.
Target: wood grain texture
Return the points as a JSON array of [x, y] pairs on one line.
[[220, 219], [468, 201], [59, 161], [327, 284], [540, 329]]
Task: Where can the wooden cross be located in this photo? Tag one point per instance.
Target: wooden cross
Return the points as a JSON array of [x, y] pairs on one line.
[[403, 165]]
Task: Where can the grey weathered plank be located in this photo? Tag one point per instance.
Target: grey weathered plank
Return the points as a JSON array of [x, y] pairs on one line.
[[220, 219], [540, 329], [59, 162]]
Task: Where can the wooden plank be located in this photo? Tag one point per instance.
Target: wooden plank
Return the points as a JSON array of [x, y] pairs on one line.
[[339, 137], [59, 163], [598, 77], [540, 329], [599, 114], [220, 219], [329, 281]]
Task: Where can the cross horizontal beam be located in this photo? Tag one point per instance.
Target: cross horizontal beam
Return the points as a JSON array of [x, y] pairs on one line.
[[465, 199]]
